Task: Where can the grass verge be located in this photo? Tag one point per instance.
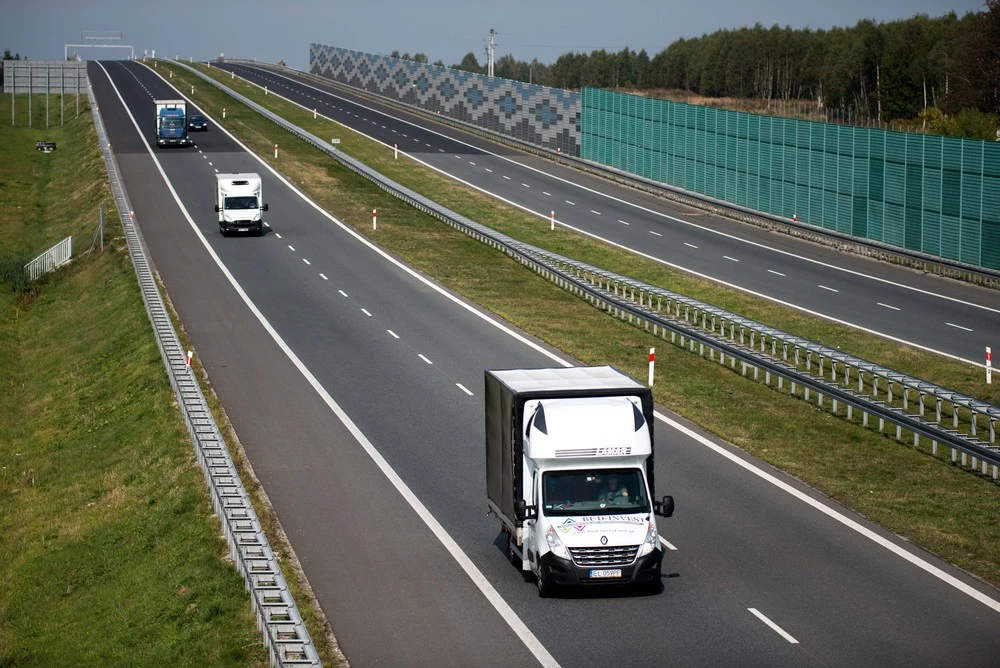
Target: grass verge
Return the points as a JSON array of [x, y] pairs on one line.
[[109, 552], [946, 510]]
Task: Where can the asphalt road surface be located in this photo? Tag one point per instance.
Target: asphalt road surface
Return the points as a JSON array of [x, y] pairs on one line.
[[355, 386]]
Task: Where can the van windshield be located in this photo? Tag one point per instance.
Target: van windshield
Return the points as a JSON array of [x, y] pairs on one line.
[[594, 492], [246, 202]]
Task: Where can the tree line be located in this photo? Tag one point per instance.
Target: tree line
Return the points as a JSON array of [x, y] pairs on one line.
[[920, 68]]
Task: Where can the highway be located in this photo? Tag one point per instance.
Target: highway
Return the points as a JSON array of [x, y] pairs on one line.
[[355, 387], [938, 314]]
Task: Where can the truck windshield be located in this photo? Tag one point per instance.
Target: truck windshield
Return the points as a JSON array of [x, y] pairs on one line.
[[246, 202], [172, 123], [594, 492]]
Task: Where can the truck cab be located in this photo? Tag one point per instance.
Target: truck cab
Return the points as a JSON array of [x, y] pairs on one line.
[[171, 123]]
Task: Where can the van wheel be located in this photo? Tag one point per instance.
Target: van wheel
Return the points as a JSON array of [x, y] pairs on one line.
[[223, 231], [545, 587]]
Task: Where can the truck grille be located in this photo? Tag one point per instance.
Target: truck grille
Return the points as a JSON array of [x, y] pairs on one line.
[[604, 556]]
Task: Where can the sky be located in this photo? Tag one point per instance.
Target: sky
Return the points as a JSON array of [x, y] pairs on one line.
[[440, 29]]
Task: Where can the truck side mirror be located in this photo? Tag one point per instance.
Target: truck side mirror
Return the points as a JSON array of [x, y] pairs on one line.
[[217, 208], [264, 208], [520, 509], [664, 508]]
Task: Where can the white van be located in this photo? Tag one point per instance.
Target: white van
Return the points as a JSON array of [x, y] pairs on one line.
[[239, 203]]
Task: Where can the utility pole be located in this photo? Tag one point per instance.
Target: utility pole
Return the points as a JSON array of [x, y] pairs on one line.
[[490, 45]]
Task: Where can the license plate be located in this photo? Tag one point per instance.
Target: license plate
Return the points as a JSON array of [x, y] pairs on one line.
[[242, 229], [606, 573]]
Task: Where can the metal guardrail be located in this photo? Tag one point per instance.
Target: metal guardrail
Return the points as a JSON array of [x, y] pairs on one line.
[[278, 618], [50, 260], [869, 247], [707, 325]]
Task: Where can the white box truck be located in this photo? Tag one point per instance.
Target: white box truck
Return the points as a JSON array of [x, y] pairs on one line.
[[569, 474], [239, 203], [171, 123]]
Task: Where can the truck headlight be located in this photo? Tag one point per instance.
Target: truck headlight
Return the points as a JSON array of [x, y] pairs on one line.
[[652, 541], [556, 546]]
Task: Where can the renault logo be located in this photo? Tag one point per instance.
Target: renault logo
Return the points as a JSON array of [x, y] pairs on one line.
[[604, 540]]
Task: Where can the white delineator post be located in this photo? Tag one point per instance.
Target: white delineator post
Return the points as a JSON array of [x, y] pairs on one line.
[[275, 150], [192, 90], [395, 151], [652, 361], [223, 113], [374, 219], [552, 221], [989, 366], [314, 114], [188, 360]]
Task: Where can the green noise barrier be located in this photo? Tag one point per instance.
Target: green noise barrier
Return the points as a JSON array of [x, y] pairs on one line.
[[926, 193]]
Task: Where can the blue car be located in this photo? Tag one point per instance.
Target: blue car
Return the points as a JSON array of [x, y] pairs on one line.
[[197, 122]]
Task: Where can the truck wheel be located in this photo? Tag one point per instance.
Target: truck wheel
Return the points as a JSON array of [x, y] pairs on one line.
[[545, 586]]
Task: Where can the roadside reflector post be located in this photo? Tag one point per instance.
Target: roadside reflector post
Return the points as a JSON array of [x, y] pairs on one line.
[[314, 113], [795, 217], [188, 360], [275, 150], [374, 219], [232, 75], [395, 151], [223, 112], [131, 215], [265, 90], [989, 366], [652, 361], [192, 90], [171, 74], [552, 220]]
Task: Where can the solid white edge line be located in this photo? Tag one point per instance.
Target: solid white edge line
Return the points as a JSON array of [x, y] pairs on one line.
[[657, 213], [774, 627], [830, 512], [472, 571], [464, 389]]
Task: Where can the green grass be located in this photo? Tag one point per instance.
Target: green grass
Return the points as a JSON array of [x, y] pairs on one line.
[[109, 553], [946, 510]]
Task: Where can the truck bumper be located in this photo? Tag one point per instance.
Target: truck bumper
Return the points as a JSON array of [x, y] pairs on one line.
[[644, 571]]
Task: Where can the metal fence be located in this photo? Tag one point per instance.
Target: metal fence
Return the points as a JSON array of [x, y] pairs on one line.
[[278, 618], [727, 336], [50, 260]]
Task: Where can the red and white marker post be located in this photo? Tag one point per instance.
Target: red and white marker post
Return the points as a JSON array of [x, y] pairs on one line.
[[275, 150], [374, 219], [989, 366], [189, 356], [652, 361]]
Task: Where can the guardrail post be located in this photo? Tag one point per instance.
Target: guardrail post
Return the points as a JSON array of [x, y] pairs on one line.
[[937, 401], [954, 415]]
